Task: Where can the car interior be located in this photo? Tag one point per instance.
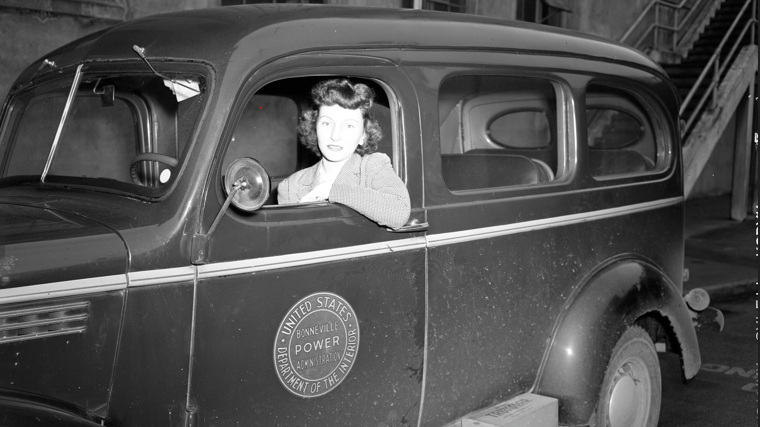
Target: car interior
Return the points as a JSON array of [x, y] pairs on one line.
[[267, 128]]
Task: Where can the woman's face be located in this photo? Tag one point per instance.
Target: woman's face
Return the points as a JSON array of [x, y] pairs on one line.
[[339, 132]]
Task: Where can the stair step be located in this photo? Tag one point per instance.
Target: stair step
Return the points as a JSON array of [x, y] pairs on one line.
[[716, 39], [688, 84], [684, 91], [683, 72], [726, 20], [702, 56], [727, 15], [709, 50], [718, 30], [735, 7], [705, 42], [703, 50], [699, 58]]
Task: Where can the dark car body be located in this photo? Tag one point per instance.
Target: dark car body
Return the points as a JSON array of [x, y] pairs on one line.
[[119, 307]]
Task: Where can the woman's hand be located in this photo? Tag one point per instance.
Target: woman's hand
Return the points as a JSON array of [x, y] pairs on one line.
[[319, 193]]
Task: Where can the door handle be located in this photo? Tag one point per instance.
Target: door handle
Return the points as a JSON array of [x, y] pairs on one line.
[[412, 226]]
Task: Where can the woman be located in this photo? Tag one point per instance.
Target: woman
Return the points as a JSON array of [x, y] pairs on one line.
[[340, 130]]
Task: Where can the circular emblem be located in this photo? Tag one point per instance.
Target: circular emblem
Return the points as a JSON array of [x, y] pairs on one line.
[[316, 344]]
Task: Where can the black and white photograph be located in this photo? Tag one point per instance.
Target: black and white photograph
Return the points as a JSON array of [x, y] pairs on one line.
[[379, 213]]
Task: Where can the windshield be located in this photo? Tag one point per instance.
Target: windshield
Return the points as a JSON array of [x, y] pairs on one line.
[[124, 131]]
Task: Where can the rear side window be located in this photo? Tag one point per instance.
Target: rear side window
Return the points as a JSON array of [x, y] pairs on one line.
[[497, 131], [521, 129], [622, 139]]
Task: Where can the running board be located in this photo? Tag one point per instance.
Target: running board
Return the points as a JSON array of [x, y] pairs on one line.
[[525, 410]]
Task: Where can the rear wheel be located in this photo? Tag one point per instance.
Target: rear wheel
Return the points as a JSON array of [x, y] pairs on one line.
[[631, 392]]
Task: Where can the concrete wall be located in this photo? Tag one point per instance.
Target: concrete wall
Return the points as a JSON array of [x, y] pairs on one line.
[[717, 175], [23, 40], [26, 35], [505, 9], [496, 8], [610, 19], [370, 3], [140, 8]]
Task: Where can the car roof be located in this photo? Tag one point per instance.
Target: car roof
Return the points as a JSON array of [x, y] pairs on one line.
[[251, 34]]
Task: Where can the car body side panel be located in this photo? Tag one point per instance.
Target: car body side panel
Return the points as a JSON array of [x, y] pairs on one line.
[[62, 280], [150, 376], [504, 261], [41, 245], [494, 304], [55, 366]]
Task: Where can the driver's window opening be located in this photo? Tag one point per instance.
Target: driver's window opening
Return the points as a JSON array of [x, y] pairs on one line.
[[267, 128], [497, 131]]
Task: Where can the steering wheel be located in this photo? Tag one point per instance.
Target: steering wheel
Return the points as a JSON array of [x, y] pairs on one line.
[[153, 157]]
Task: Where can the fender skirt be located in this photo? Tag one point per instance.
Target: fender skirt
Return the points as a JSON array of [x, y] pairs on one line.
[[595, 318]]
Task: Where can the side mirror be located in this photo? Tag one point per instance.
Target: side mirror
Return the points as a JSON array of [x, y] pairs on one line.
[[246, 185], [252, 180]]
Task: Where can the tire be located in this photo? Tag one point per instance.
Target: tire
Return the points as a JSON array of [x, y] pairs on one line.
[[632, 390]]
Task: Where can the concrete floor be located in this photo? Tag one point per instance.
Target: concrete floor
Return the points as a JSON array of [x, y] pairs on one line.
[[721, 254]]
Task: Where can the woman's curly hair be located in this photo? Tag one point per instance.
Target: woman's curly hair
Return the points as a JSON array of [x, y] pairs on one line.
[[351, 96]]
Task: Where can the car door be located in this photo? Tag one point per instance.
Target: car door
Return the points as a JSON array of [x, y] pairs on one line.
[[310, 314], [493, 294]]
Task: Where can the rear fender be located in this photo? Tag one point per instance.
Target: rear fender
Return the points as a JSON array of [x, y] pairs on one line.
[[595, 317]]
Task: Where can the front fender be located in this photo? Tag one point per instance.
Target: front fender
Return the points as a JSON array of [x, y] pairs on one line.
[[611, 300]]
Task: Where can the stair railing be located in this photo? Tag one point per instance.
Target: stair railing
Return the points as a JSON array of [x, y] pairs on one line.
[[692, 6], [718, 66]]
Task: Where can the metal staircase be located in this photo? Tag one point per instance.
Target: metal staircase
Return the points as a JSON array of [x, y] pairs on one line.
[[706, 63], [709, 49]]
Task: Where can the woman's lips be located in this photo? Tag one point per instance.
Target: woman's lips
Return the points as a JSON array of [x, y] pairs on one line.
[[335, 147]]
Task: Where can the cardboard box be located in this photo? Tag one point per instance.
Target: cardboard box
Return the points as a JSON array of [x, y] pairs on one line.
[[526, 410]]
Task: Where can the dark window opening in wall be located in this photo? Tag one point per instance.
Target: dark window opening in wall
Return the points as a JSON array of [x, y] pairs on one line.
[[548, 12], [444, 5], [107, 10], [440, 5], [236, 2]]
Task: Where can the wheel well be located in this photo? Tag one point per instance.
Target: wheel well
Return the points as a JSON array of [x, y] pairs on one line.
[[624, 293], [661, 330]]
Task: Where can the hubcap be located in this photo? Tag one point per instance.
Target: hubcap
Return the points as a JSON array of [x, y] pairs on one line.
[[630, 398]]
